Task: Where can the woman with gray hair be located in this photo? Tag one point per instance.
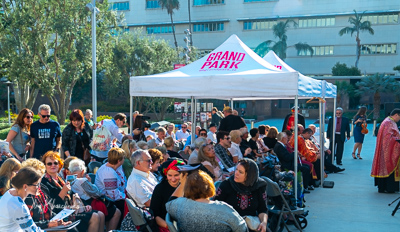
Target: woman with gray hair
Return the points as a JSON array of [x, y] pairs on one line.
[[89, 192]]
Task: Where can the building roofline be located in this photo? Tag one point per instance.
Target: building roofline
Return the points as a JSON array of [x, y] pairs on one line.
[[177, 22]]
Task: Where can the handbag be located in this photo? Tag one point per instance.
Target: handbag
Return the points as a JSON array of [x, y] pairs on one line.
[[86, 152], [252, 222]]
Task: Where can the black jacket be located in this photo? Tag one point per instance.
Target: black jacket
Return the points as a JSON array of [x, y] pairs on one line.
[[344, 129], [286, 158]]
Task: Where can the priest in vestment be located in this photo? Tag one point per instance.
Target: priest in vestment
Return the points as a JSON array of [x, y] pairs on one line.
[[385, 167]]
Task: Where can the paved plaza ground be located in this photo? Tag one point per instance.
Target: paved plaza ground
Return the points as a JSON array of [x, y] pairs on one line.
[[354, 203]]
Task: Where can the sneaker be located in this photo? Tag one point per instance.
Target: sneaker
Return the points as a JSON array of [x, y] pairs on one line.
[[339, 170]]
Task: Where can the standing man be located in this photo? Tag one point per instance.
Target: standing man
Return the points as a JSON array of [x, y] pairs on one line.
[[342, 132], [113, 126], [182, 134], [45, 134], [160, 136], [385, 167], [215, 118], [230, 122]]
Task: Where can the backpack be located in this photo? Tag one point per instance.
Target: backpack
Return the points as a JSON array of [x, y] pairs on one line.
[[101, 139]]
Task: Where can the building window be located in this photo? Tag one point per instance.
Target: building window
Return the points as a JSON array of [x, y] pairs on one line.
[[379, 49], [317, 22], [207, 2], [261, 0], [382, 18], [198, 27], [259, 24], [318, 51], [152, 4], [120, 6], [159, 29], [202, 53]]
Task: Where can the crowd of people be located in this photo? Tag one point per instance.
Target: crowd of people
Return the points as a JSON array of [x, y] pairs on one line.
[[146, 166]]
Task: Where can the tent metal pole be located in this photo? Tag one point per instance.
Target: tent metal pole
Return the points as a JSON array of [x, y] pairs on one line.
[[131, 114], [333, 130], [231, 103], [194, 111], [321, 150], [296, 145]]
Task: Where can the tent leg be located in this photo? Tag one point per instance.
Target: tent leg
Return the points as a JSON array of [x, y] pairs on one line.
[[193, 111], [321, 150], [333, 130], [231, 104], [296, 145], [130, 114]]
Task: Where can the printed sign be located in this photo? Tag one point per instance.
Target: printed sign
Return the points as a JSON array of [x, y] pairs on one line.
[[227, 60]]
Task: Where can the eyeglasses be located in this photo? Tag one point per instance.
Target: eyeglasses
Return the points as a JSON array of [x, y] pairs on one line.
[[203, 134], [45, 116], [36, 185], [50, 163], [149, 161], [227, 138], [28, 117], [184, 127]]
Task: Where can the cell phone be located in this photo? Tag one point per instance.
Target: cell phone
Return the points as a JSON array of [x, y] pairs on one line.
[[71, 178]]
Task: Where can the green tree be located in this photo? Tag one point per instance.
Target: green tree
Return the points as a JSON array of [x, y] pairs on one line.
[[358, 25], [170, 5], [342, 70], [280, 46], [138, 55], [397, 68], [377, 84], [51, 40]]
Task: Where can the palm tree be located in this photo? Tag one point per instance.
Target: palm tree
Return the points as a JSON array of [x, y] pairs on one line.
[[280, 46], [377, 84], [358, 25], [344, 88], [170, 5]]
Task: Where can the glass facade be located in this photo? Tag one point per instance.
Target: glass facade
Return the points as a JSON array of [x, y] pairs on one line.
[[199, 27], [258, 24], [317, 22], [379, 48], [152, 4], [120, 6], [207, 2], [382, 18], [159, 29], [318, 51], [261, 0]]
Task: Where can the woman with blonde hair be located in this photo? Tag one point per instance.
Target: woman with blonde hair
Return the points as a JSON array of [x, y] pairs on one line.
[[18, 137], [206, 156], [9, 169], [129, 146]]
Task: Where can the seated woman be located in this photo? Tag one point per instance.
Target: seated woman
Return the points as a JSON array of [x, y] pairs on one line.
[[111, 180], [206, 157], [270, 139], [15, 214], [129, 146], [57, 191], [9, 169], [156, 158], [246, 192], [163, 191], [88, 192], [169, 143], [196, 212]]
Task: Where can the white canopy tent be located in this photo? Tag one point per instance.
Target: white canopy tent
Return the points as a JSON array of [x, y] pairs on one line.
[[328, 91], [231, 72]]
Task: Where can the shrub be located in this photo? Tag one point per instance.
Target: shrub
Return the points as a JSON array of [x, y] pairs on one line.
[[102, 117], [4, 133]]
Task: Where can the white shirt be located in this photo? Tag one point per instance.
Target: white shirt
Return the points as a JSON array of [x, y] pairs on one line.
[[141, 186], [159, 141], [181, 135], [110, 182], [212, 136], [15, 215], [115, 133], [150, 132], [170, 135], [235, 150]]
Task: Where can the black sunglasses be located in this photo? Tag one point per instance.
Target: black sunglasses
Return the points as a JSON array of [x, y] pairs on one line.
[[45, 116], [50, 163], [28, 117]]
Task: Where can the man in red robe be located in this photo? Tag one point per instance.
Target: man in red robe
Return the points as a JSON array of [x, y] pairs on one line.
[[385, 167]]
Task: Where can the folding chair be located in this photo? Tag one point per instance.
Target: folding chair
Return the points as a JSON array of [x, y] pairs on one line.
[[94, 164], [273, 190], [172, 224], [137, 215]]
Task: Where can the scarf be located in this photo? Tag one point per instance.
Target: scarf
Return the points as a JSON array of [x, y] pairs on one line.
[[59, 183], [252, 182]]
